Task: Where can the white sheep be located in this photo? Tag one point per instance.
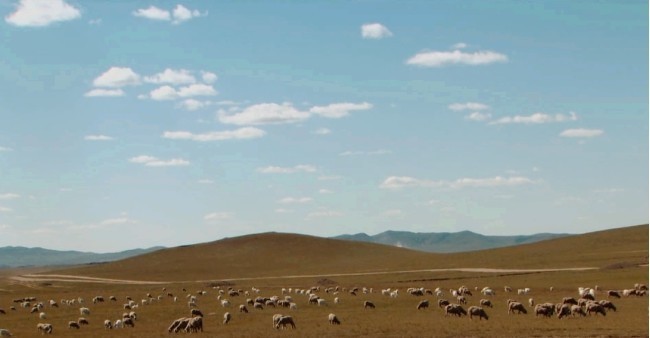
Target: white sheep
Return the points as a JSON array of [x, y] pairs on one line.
[[333, 319], [321, 302], [225, 303], [84, 311], [5, 333], [226, 317], [42, 315], [44, 328], [108, 324]]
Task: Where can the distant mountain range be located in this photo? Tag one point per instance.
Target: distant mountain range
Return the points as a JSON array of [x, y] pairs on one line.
[[443, 242], [446, 242], [17, 256]]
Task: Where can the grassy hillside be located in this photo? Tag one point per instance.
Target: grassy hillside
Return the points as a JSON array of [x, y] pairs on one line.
[[16, 256], [278, 254]]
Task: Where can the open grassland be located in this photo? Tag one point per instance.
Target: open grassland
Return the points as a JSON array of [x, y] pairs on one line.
[[622, 251]]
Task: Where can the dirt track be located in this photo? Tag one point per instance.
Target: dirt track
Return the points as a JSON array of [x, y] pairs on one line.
[[82, 279]]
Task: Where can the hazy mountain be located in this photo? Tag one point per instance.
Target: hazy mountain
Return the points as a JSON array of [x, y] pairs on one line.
[[447, 241], [17, 256]]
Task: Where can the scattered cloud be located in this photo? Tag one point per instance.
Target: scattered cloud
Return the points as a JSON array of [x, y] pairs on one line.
[[338, 110], [163, 93], [582, 133], [9, 196], [324, 191], [5, 209], [237, 134], [101, 92], [295, 200], [322, 131], [208, 77], [468, 106], [375, 31], [217, 216], [287, 170], [118, 221], [283, 211], [445, 58], [151, 161], [172, 76], [166, 92], [264, 113], [5, 149], [116, 77], [39, 13], [178, 15], [192, 104], [374, 152], [398, 182], [97, 138], [536, 118], [478, 116]]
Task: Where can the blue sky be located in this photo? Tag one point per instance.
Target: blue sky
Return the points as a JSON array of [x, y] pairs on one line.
[[131, 123]]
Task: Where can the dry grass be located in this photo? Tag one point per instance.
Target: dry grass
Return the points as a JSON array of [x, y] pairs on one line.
[[393, 317]]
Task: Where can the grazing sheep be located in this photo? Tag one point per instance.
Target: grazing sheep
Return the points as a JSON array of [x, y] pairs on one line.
[[84, 311], [5, 333], [293, 306], [512, 306], [588, 296], [577, 310], [42, 315], [442, 303], [2, 311], [258, 306], [613, 293], [569, 300], [276, 317], [477, 311], [333, 319], [226, 317], [284, 321], [485, 302], [45, 328], [242, 308], [368, 304], [73, 325], [196, 312], [531, 302], [108, 324], [118, 324], [322, 302], [607, 305], [597, 308], [544, 310], [423, 304], [564, 310], [82, 321], [461, 300], [455, 309], [130, 322], [178, 324], [225, 303], [194, 325]]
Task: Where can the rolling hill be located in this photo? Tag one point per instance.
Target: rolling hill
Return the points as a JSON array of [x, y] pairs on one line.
[[280, 254], [447, 241]]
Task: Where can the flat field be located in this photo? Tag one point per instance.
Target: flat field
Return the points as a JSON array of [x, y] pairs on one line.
[[618, 267]]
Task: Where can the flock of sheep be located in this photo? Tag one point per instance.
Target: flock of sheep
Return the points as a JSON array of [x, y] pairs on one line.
[[585, 304]]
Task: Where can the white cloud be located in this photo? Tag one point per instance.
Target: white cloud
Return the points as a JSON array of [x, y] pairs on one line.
[[283, 211], [582, 133], [5, 209], [374, 152], [237, 134], [468, 106], [163, 93], [478, 116], [192, 104], [182, 14], [536, 118], [155, 162], [287, 170], [117, 77], [198, 89], [153, 13], [322, 131], [295, 200], [217, 216], [324, 191], [97, 138], [265, 113], [117, 221], [39, 13], [375, 31], [338, 110], [101, 92], [9, 196], [171, 76], [397, 182], [439, 59], [208, 77], [3, 149]]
